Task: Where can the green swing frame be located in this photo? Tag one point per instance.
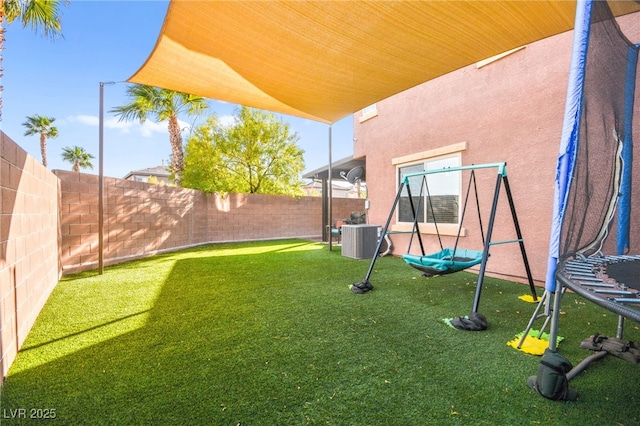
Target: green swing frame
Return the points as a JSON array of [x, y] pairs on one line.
[[453, 260]]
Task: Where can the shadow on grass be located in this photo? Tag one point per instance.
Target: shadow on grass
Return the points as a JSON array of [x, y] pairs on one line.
[[78, 333], [269, 334]]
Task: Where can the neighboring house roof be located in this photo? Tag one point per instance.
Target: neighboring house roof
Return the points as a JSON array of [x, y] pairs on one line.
[[336, 185], [158, 171], [338, 168], [340, 189]]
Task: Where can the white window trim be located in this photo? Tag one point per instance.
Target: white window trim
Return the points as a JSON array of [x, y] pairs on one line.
[[495, 58], [422, 157], [427, 155], [368, 113]]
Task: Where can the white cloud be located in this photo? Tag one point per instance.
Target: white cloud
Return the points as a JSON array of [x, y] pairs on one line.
[[147, 129], [109, 123], [226, 120], [89, 120], [124, 126]]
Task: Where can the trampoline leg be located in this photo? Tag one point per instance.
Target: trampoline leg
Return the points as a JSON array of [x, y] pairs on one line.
[[555, 317], [584, 363], [542, 303], [620, 327]]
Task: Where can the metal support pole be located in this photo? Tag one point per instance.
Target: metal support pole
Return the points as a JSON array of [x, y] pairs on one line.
[[101, 183], [101, 180], [330, 193], [326, 229]]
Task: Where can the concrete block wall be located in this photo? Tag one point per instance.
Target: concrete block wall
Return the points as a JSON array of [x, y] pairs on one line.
[[49, 226], [138, 219], [29, 244], [142, 218], [239, 217]]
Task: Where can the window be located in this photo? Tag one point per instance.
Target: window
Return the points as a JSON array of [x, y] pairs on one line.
[[368, 112], [437, 199]]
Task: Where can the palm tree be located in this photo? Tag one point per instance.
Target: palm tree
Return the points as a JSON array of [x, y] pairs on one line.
[[162, 105], [43, 14], [78, 157], [39, 125]]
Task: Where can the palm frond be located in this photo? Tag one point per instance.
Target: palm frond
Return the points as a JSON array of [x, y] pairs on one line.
[[144, 102], [37, 124], [12, 10], [78, 157], [44, 14]]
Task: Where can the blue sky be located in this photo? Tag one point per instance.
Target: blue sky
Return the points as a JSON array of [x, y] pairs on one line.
[[109, 41]]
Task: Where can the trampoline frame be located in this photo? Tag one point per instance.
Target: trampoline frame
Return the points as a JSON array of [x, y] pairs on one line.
[[579, 276]]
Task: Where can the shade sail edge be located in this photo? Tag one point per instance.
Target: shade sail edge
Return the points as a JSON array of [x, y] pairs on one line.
[[325, 66], [224, 83]]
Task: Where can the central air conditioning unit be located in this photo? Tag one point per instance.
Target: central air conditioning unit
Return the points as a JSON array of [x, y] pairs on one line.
[[359, 241]]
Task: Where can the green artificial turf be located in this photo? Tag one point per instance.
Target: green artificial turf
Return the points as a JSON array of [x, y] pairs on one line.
[[268, 333]]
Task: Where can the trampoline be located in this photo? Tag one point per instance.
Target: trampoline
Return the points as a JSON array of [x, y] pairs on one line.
[[612, 282], [594, 244]]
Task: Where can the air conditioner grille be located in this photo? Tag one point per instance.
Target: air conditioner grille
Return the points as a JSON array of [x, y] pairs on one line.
[[359, 241]]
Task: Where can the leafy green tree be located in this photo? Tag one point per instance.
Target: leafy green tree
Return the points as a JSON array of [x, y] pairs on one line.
[[78, 157], [43, 14], [204, 162], [43, 126], [257, 154], [162, 105]]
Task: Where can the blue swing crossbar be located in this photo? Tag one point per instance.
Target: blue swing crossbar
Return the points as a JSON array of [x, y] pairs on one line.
[[446, 261], [502, 170]]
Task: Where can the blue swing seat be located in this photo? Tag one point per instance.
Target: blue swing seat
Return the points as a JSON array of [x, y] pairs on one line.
[[446, 261]]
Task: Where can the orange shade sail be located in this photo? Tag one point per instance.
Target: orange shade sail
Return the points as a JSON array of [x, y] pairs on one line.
[[324, 60]]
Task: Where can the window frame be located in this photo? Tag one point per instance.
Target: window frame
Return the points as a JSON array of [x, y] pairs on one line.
[[438, 154], [368, 112]]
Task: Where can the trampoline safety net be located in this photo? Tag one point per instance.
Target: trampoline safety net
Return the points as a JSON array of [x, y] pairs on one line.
[[604, 191], [606, 133]]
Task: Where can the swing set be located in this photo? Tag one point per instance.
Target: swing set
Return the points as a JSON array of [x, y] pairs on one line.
[[451, 260]]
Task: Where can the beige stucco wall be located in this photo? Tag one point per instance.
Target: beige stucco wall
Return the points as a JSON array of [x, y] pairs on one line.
[[510, 110]]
